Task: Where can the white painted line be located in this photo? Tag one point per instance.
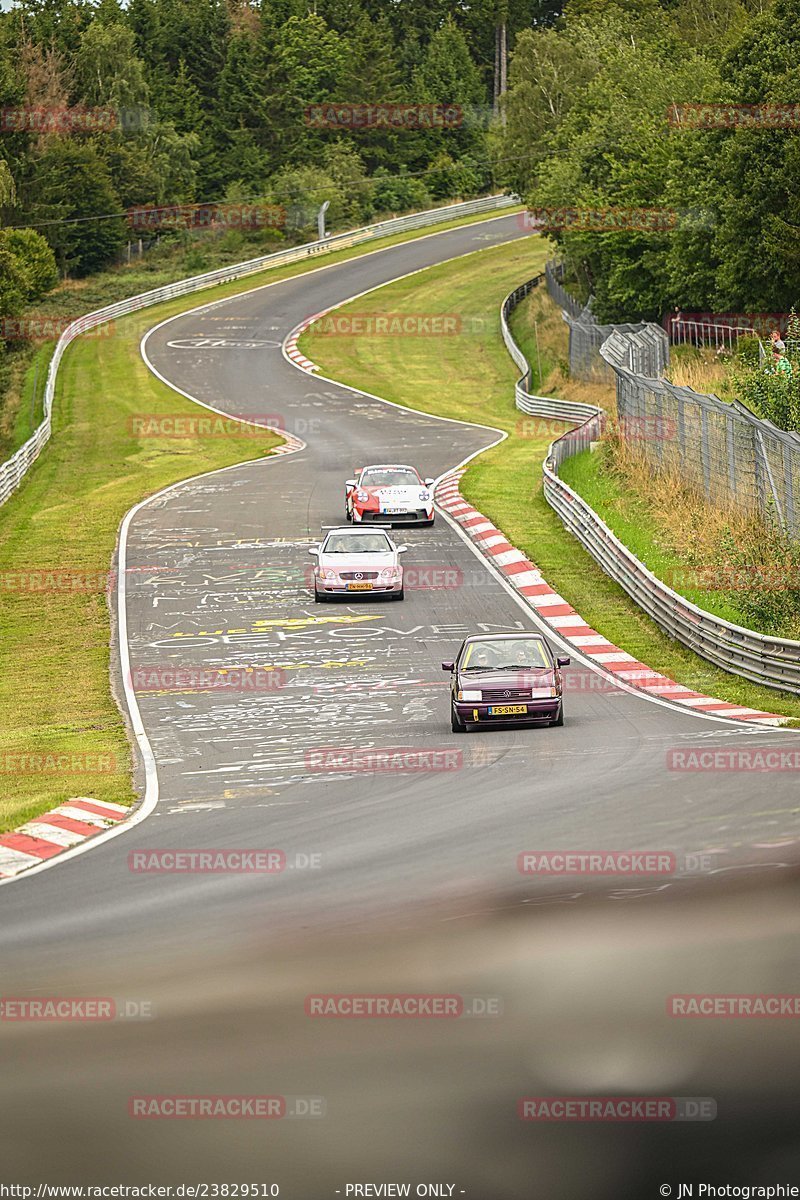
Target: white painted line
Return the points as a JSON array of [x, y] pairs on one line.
[[294, 444], [561, 622], [654, 677]]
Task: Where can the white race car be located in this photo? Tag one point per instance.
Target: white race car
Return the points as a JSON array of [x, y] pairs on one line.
[[389, 494], [363, 561]]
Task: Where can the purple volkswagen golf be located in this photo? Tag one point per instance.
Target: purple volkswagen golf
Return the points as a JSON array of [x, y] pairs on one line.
[[505, 678]]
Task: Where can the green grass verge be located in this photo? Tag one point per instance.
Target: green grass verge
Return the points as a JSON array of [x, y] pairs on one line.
[[54, 653], [629, 518], [537, 350], [470, 377]]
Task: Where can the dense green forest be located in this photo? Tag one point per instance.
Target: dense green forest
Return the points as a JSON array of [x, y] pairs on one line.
[[588, 126], [174, 102], [177, 101]]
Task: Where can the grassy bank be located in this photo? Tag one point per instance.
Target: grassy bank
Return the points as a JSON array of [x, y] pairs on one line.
[[543, 335], [470, 377], [54, 653]]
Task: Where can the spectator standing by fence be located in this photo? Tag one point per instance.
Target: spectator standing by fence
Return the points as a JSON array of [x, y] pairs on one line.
[[778, 344]]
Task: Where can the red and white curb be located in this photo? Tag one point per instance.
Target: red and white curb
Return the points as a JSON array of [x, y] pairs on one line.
[[290, 445], [290, 346], [567, 623], [55, 832]]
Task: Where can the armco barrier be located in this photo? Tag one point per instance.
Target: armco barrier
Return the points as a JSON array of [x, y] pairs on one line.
[[772, 661], [540, 406], [13, 471]]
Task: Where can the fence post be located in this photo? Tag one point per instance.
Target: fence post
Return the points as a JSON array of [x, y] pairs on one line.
[[659, 426], [705, 456], [681, 428], [768, 471], [788, 488], [730, 439]]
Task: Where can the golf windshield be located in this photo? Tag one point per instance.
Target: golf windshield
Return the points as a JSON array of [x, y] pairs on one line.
[[357, 543], [390, 477], [499, 655]]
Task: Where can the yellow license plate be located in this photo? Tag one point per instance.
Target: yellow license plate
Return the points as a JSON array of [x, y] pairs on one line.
[[507, 710], [359, 587]]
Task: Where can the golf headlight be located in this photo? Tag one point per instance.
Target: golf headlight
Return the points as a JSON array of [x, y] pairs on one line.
[[543, 693], [470, 695], [361, 496]]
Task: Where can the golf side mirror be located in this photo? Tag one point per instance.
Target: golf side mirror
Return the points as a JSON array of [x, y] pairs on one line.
[[563, 660], [448, 666]]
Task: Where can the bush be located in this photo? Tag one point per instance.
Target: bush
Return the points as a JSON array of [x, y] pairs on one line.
[[764, 575], [446, 177], [747, 350], [396, 192], [771, 395], [37, 261]]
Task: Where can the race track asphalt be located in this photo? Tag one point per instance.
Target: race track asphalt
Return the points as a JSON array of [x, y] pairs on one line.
[[218, 575]]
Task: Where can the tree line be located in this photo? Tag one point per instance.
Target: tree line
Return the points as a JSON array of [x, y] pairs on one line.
[[662, 141], [210, 100]]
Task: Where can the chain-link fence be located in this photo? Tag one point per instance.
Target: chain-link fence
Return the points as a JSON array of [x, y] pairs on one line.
[[554, 273], [692, 430], [647, 347], [723, 449]]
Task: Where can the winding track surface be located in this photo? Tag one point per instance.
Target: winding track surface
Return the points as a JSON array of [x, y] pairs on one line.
[[219, 575]]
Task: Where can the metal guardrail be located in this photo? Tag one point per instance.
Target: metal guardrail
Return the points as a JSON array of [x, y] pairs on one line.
[[771, 661], [15, 468], [684, 331], [540, 406]]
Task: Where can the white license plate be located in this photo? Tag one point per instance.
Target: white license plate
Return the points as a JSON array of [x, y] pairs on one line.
[[390, 511]]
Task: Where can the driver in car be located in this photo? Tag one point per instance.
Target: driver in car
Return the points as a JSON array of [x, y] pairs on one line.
[[484, 658], [528, 654]]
